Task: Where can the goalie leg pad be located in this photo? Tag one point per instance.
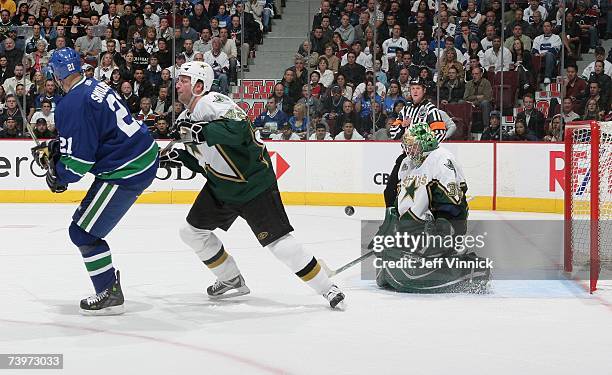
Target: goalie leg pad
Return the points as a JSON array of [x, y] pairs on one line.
[[96, 255], [289, 251], [210, 250]]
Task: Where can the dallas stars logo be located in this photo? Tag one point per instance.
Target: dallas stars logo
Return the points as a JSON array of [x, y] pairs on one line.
[[218, 99], [410, 189]]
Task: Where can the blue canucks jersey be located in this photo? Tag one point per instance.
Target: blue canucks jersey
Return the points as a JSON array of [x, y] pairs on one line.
[[98, 135]]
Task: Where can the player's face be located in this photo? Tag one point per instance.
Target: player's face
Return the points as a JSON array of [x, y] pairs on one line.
[[417, 92], [183, 87]]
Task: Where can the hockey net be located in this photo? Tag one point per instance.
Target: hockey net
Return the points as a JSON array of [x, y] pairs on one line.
[[588, 198]]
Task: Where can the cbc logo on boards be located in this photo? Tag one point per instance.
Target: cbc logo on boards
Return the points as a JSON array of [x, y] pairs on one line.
[[380, 178]]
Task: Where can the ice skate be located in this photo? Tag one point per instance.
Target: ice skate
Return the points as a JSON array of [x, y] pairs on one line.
[[335, 297], [108, 302], [236, 287]]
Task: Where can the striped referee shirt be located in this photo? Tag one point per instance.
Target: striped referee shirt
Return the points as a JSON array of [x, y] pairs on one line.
[[426, 112]]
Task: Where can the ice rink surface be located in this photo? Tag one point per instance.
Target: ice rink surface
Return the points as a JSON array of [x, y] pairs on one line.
[[282, 327]]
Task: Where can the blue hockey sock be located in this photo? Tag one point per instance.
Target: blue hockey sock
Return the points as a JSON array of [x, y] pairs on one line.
[[97, 257]]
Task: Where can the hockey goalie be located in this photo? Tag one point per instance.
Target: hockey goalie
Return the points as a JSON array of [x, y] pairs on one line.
[[431, 210]]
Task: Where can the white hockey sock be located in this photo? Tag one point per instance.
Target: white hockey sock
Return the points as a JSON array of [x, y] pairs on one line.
[[289, 251], [210, 250]]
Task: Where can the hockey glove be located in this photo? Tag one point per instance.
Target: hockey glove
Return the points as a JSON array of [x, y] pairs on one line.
[[191, 132], [170, 159], [46, 151], [52, 181]]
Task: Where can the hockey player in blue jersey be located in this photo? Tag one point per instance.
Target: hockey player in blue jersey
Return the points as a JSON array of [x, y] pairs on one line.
[[97, 135]]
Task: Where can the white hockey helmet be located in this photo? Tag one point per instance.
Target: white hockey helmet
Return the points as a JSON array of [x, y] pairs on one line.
[[198, 71]]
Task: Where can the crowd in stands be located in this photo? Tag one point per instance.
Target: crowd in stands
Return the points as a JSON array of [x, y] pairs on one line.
[[348, 81], [353, 74], [134, 46]]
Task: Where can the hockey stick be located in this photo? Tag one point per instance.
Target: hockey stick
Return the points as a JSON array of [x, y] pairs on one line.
[[27, 124], [331, 273]]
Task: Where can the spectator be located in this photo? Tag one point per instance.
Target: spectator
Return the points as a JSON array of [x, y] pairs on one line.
[[166, 79], [165, 31], [521, 133], [161, 131], [151, 19], [363, 24], [9, 7], [364, 103], [153, 71], [393, 95], [128, 96], [316, 88], [229, 47], [261, 13], [587, 18], [283, 101], [162, 104], [324, 11], [310, 57], [554, 133], [494, 55], [346, 30], [332, 104], [320, 134], [32, 42], [341, 48], [88, 70], [462, 40], [568, 111], [600, 54], [487, 41], [243, 47], [18, 78], [547, 46], [164, 56], [347, 91], [521, 63], [286, 134], [592, 110], [517, 34], [141, 56], [575, 86], [427, 79], [104, 70], [594, 93], [198, 20], [424, 57], [10, 129], [203, 44], [12, 53], [111, 49], [533, 118], [326, 75], [49, 93], [449, 60], [5, 72], [219, 61], [146, 114], [44, 113], [534, 6], [452, 88], [361, 57], [187, 32], [494, 131], [604, 81], [141, 87], [394, 42], [328, 32], [299, 120], [88, 45], [109, 17], [518, 20], [270, 120], [21, 16], [348, 133], [478, 92], [150, 40], [128, 68], [353, 72], [537, 26], [293, 86], [571, 38], [41, 131]]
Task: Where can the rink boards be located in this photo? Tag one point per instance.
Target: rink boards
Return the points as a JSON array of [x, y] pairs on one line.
[[501, 176]]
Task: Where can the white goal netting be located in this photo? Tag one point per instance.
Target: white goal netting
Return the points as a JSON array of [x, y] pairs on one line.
[[584, 202]]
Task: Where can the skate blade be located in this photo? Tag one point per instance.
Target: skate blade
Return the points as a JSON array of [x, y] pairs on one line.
[[231, 294], [113, 310]]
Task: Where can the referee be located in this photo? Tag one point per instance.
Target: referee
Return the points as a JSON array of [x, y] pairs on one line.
[[418, 111]]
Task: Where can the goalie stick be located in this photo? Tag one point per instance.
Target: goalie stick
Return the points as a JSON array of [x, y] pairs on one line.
[[331, 273]]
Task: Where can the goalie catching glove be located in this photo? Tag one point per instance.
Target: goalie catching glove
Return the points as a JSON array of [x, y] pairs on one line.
[[169, 159], [46, 155], [191, 132]]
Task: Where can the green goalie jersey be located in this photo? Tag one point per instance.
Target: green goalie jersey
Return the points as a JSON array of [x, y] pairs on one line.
[[236, 165]]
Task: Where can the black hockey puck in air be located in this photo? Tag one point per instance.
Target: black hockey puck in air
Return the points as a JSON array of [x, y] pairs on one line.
[[349, 210]]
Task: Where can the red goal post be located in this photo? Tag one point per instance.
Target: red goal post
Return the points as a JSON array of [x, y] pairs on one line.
[[588, 197]]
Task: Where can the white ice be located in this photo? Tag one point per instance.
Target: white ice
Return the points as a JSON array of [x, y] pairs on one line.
[[282, 327]]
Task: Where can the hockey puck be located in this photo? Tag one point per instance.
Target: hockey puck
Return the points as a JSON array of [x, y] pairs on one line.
[[349, 210]]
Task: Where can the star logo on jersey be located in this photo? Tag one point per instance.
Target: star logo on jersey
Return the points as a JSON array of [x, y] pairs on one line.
[[280, 165], [411, 189]]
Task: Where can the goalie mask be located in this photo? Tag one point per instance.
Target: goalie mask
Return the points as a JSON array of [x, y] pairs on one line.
[[418, 141]]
